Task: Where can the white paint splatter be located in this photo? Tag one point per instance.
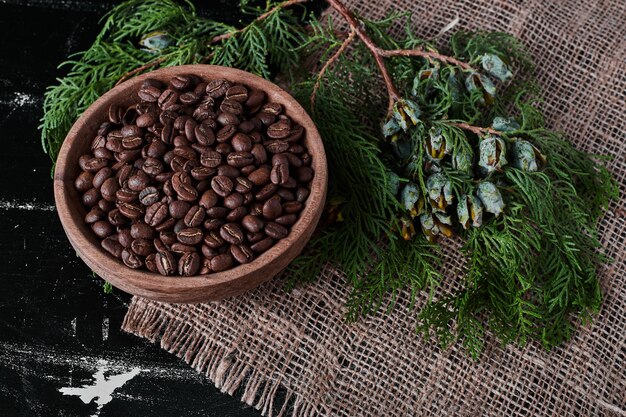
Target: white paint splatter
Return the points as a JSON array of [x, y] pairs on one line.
[[74, 326], [105, 328], [103, 388], [29, 205]]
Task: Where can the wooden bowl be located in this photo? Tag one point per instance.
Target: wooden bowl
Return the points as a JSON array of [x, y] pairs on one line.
[[201, 287]]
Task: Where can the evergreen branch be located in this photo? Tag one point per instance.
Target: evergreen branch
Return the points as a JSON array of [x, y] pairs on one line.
[[475, 129], [426, 54], [329, 63], [273, 10]]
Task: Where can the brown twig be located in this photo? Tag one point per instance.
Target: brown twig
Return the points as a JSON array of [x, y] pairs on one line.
[[328, 63], [142, 68], [394, 94], [263, 16], [475, 129], [426, 54]]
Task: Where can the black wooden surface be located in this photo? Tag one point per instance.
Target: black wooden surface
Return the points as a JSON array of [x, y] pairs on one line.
[[57, 327]]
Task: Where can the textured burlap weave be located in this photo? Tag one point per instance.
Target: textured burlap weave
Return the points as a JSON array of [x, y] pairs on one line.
[[269, 341]]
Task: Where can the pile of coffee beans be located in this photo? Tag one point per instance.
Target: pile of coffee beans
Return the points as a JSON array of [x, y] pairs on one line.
[[196, 177]]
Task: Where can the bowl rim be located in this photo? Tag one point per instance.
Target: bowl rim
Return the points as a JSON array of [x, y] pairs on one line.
[[154, 285]]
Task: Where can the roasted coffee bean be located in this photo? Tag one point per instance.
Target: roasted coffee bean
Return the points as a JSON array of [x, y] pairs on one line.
[[231, 106], [130, 210], [189, 98], [102, 229], [152, 166], [221, 262], [149, 93], [259, 153], [217, 88], [209, 199], [91, 197], [131, 260], [255, 99], [180, 248], [222, 185], [204, 134], [138, 182], [142, 247], [109, 189], [167, 99], [116, 218], [279, 130], [84, 181], [232, 233], [243, 185], [236, 214], [276, 146], [93, 165], [128, 155], [156, 150], [181, 82], [168, 236], [291, 183], [304, 174], [112, 246], [166, 225], [190, 236], [178, 209], [291, 207], [213, 224], [296, 149], [210, 159], [213, 240], [132, 142], [228, 171], [146, 119], [124, 237], [280, 173], [241, 142], [150, 262], [262, 245], [225, 133], [295, 134], [233, 200], [255, 237], [275, 230], [272, 208], [194, 217], [252, 224], [239, 159], [98, 142], [266, 118], [286, 220], [225, 119], [156, 213], [285, 194], [242, 253], [208, 252], [105, 205], [302, 194], [189, 264], [102, 175], [160, 246], [238, 93], [217, 212], [130, 131], [266, 192], [202, 173], [94, 215], [141, 231], [165, 262], [261, 176]]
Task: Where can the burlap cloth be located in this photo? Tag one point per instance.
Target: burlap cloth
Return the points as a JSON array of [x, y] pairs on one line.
[[298, 345]]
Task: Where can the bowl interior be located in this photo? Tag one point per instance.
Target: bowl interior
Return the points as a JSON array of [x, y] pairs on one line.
[[202, 287]]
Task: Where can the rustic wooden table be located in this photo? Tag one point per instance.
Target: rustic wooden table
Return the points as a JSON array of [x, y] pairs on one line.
[[59, 333]]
